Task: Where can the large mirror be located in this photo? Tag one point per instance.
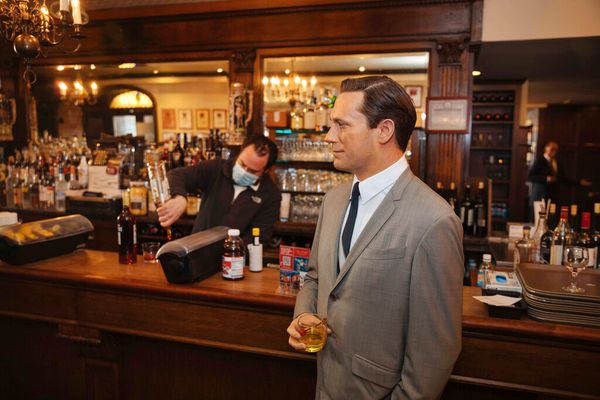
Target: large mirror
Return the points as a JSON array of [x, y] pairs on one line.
[[151, 100]]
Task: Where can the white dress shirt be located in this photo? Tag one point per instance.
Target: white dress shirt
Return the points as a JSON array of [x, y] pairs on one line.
[[237, 189], [372, 192]]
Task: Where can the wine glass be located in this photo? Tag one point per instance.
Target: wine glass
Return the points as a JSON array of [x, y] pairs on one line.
[[575, 258]]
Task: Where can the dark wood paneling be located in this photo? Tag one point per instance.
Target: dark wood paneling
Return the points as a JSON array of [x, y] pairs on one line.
[[576, 129]]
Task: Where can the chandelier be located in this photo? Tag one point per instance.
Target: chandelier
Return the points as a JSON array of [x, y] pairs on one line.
[[31, 26], [77, 93]]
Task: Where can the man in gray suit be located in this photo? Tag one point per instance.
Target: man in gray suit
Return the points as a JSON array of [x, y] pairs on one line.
[[386, 266]]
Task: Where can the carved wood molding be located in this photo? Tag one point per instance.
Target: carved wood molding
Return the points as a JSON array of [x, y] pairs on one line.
[[243, 61], [450, 52]]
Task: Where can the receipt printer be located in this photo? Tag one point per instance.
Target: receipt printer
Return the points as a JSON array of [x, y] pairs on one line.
[[194, 257]]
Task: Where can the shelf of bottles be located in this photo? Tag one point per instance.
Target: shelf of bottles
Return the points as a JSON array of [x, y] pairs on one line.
[[560, 227], [491, 147], [472, 209], [40, 175]]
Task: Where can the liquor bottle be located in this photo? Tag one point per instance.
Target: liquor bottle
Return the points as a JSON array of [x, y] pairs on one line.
[[322, 124], [43, 189], [480, 210], [573, 223], [552, 221], [524, 248], [542, 240], [34, 190], [255, 252], [452, 196], [177, 155], [83, 172], [126, 237], [50, 188], [310, 117], [61, 190], [25, 178], [466, 211], [585, 239], [596, 233], [233, 256], [17, 197], [560, 237], [486, 265]]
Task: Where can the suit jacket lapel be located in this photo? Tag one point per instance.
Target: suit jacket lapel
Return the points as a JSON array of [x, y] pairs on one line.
[[381, 215], [335, 228]]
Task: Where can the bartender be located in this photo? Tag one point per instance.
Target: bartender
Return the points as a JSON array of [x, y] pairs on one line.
[[237, 193]]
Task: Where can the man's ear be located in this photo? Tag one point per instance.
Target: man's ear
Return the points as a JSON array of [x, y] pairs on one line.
[[385, 131]]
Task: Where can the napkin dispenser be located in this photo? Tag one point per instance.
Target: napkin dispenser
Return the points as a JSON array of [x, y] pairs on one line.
[[194, 257]]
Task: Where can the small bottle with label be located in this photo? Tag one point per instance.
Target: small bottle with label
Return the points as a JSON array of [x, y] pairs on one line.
[[486, 265], [255, 252], [233, 256]]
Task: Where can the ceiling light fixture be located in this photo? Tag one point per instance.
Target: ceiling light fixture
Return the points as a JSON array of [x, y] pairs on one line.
[[31, 27], [476, 73], [60, 68], [77, 93], [361, 68], [126, 65], [219, 70]]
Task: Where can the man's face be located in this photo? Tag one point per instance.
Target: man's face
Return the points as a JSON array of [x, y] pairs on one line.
[[250, 161], [353, 142], [551, 150]]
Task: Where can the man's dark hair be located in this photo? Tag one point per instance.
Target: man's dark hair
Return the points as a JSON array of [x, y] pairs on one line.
[[263, 146], [385, 99]]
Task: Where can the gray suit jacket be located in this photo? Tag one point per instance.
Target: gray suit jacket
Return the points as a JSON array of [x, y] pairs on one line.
[[396, 307]]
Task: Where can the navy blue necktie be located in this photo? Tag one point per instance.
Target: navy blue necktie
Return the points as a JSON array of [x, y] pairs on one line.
[[349, 227]]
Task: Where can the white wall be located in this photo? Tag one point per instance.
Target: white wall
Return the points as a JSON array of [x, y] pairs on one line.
[[539, 19]]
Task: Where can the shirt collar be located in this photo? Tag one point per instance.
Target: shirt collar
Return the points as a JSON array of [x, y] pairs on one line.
[[377, 183]]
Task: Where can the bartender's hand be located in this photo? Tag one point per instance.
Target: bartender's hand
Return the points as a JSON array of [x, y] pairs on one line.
[[171, 210], [296, 332]]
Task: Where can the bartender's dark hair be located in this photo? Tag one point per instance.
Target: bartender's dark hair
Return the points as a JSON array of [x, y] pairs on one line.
[[263, 145], [385, 99]]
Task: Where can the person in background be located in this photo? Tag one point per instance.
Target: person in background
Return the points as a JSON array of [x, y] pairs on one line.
[[386, 265], [237, 193], [546, 176]]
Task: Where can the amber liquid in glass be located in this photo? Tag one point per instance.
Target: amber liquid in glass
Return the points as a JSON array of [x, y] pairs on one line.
[[314, 338]]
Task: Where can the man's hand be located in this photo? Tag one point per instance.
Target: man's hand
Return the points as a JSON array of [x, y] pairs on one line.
[[171, 210], [296, 332]]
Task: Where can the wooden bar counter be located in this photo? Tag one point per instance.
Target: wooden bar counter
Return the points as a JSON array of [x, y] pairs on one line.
[[83, 326]]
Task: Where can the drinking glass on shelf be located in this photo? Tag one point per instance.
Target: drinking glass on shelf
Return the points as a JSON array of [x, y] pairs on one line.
[[575, 258]]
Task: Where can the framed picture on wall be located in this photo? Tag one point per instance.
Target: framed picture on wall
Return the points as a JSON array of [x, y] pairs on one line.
[[448, 114], [202, 118], [416, 94], [185, 119], [219, 118], [168, 118]]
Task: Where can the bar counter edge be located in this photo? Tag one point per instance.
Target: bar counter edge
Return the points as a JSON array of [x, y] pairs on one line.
[[86, 299]]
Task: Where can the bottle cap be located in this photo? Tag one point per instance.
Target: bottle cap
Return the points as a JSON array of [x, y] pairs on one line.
[[487, 257], [255, 231], [233, 232]]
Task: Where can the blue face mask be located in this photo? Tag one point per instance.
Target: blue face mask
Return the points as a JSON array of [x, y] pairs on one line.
[[242, 177]]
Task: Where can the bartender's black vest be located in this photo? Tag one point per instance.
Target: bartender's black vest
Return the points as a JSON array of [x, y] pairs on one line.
[[217, 207]]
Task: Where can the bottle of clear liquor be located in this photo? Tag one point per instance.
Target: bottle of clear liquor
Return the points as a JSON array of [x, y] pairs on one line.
[[560, 238]]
